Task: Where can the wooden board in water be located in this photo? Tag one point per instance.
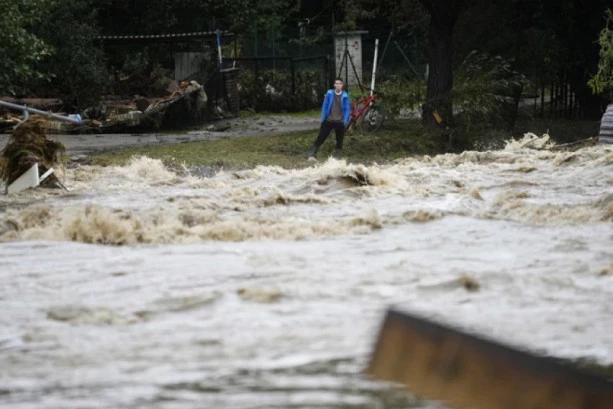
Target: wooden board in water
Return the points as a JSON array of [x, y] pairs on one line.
[[467, 371]]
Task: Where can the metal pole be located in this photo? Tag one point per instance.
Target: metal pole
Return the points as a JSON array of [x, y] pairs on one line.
[[219, 49], [374, 68], [27, 110]]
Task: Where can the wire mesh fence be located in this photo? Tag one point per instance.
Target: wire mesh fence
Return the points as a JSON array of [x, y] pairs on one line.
[[281, 83]]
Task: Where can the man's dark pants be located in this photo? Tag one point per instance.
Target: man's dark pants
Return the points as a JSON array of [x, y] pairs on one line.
[[326, 128]]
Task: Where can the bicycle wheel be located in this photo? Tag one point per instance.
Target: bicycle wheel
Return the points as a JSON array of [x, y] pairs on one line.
[[373, 118]]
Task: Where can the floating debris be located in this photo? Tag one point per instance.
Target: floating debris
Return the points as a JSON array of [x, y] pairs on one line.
[[259, 295], [28, 146]]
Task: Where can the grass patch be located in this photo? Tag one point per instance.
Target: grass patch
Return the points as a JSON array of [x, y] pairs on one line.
[[396, 139]]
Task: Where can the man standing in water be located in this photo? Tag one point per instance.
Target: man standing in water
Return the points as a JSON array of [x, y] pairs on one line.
[[334, 115]]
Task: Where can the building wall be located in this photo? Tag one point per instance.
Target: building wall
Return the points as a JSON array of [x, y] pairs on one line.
[[352, 42]]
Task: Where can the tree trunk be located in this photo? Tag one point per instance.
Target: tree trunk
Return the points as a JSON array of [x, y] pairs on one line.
[[437, 110]]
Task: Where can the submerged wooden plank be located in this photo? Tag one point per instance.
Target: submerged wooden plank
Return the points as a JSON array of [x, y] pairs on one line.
[[468, 371]]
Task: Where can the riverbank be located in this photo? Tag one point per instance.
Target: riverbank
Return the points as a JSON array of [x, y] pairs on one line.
[[223, 129], [284, 141]]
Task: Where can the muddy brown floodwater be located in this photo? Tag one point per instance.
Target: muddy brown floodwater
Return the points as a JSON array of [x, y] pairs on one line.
[[265, 288]]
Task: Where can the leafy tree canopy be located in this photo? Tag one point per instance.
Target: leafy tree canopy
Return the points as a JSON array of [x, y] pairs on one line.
[[77, 67], [20, 49], [602, 81]]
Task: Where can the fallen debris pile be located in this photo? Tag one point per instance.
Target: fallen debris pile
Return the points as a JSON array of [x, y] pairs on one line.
[[27, 146], [186, 104]]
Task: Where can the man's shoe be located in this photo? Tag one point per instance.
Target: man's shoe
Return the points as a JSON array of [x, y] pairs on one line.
[[337, 153], [312, 154]]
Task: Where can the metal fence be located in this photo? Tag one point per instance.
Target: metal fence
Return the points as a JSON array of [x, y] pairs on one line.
[[281, 83]]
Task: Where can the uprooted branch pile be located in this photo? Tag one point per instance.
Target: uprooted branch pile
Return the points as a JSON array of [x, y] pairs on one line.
[[27, 145]]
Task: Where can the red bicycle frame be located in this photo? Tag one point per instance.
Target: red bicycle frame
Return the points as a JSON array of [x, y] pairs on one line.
[[358, 107]]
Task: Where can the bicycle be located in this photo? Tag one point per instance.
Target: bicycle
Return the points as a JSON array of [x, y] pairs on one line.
[[365, 113]]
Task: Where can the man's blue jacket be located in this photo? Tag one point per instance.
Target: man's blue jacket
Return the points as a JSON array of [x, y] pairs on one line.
[[327, 106]]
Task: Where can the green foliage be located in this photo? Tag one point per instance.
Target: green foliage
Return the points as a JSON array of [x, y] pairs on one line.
[[602, 81], [543, 54], [156, 16], [486, 92], [288, 149], [403, 16], [20, 49], [78, 65], [242, 15], [353, 11], [397, 94]]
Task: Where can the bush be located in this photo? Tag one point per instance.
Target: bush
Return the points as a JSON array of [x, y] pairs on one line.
[[77, 66], [20, 49], [486, 92], [397, 94], [602, 81]]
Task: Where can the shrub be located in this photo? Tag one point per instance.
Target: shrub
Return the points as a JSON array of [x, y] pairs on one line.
[[77, 67], [602, 81], [397, 94], [486, 92], [20, 49]]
